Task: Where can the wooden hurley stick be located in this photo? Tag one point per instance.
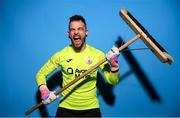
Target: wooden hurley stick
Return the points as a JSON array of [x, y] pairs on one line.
[[82, 75]]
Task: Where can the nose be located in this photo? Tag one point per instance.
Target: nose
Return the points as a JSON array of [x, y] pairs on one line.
[[76, 32]]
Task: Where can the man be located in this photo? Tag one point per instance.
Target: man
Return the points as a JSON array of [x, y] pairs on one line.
[[80, 99]]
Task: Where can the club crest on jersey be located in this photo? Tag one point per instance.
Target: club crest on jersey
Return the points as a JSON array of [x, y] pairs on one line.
[[89, 60]]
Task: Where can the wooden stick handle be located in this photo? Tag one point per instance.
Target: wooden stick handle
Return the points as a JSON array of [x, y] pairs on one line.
[[129, 42], [82, 75]]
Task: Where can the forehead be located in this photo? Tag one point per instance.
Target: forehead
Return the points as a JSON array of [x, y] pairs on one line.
[[76, 24]]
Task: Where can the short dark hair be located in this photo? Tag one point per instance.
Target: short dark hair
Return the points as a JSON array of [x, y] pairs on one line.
[[77, 18]]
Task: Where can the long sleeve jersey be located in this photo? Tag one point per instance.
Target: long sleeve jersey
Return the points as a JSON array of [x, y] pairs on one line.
[[81, 95]]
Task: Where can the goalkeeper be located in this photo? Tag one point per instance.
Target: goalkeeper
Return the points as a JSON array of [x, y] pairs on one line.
[[79, 100]]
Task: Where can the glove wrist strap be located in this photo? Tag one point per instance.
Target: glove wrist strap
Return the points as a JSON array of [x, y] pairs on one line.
[[114, 69]]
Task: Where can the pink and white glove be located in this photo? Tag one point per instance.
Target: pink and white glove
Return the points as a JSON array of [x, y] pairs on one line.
[[112, 57], [46, 95]]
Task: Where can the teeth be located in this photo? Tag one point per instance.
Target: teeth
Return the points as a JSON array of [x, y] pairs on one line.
[[76, 37]]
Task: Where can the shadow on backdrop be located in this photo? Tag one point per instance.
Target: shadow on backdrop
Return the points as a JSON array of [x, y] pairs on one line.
[[138, 71], [105, 90], [55, 80]]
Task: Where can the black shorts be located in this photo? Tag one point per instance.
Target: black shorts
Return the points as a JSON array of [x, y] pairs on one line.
[[63, 112]]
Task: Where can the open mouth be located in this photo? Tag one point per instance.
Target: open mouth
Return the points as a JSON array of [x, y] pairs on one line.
[[77, 39]]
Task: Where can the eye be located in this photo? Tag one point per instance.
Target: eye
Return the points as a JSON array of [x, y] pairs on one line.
[[71, 29], [80, 28]]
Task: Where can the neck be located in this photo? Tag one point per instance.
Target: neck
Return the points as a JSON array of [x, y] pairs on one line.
[[81, 48]]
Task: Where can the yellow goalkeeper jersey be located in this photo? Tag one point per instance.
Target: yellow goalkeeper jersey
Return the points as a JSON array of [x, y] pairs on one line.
[[82, 95]]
